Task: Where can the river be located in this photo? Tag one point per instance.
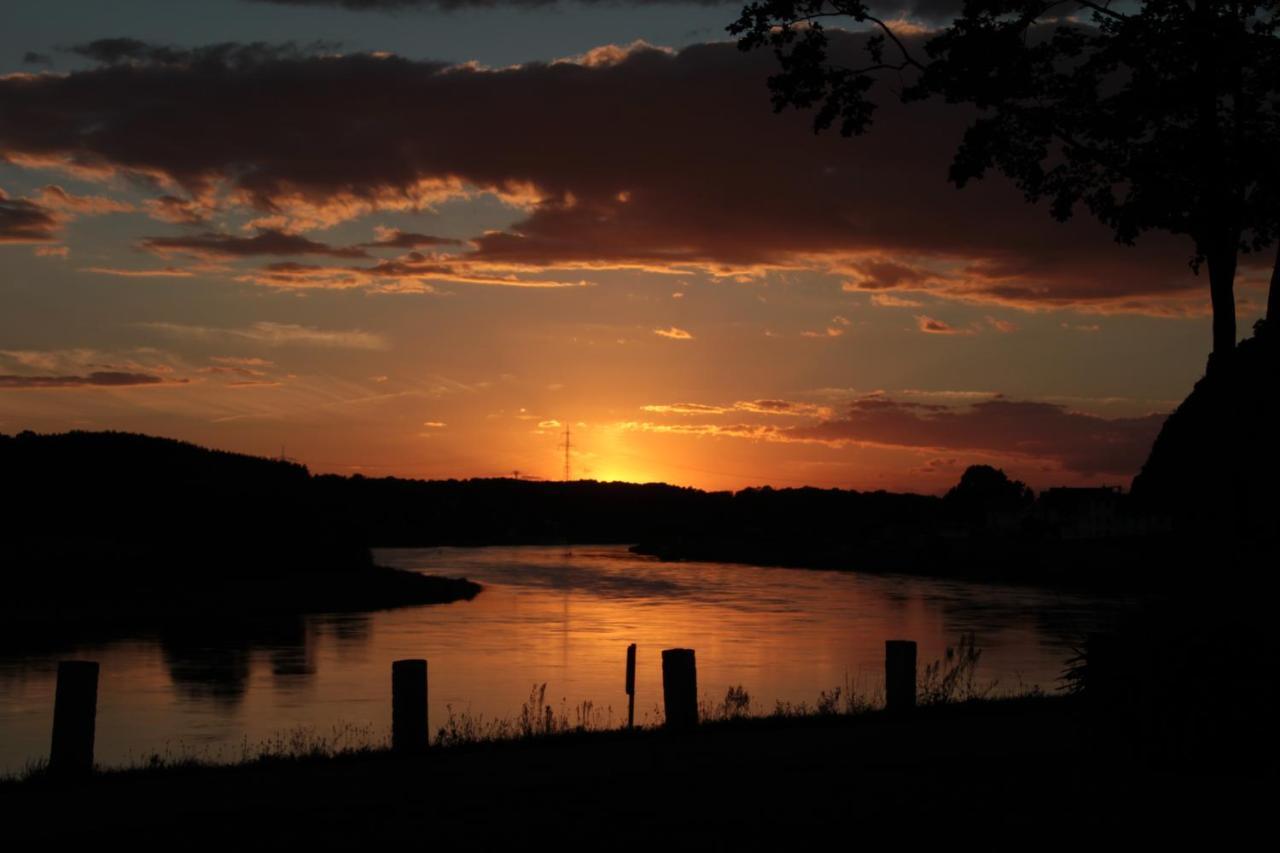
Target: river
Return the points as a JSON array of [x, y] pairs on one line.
[[559, 616]]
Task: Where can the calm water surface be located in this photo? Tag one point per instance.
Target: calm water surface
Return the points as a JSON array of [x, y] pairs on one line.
[[554, 615]]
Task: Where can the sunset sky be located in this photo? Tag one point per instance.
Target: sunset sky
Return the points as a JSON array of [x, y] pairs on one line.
[[422, 241]]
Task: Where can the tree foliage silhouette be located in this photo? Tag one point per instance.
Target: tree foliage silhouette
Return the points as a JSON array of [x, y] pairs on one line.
[[991, 487], [1152, 115]]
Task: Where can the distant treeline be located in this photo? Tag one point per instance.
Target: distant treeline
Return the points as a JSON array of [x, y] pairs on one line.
[[397, 512], [102, 506]]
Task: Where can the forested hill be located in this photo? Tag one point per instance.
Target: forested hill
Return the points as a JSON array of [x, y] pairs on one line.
[[98, 505], [111, 490], [504, 511]]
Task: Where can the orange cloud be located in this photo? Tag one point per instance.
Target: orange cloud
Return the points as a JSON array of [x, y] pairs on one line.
[[56, 198], [760, 407], [888, 300], [1002, 326], [167, 272], [930, 326], [411, 273], [277, 334]]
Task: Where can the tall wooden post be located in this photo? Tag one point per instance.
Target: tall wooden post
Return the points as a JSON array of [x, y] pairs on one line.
[[75, 711], [409, 706], [631, 686], [680, 688], [900, 674]]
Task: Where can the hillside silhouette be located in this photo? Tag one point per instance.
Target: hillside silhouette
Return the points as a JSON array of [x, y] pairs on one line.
[[108, 529], [1214, 466]]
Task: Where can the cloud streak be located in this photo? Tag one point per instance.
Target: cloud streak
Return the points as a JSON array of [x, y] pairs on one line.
[[97, 379], [40, 219], [1076, 441], [975, 423], [267, 241], [277, 334], [25, 221]]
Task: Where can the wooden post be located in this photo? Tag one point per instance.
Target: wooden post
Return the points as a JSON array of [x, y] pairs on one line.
[[75, 711], [900, 674], [631, 686], [409, 706], [680, 688]]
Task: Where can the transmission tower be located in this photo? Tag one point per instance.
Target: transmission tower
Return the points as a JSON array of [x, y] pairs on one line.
[[567, 446]]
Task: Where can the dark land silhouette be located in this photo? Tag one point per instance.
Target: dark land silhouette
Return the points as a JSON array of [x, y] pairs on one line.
[[112, 531], [1023, 768], [116, 530], [1214, 467]]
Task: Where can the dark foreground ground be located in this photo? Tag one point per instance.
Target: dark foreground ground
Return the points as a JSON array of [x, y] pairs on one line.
[[996, 774]]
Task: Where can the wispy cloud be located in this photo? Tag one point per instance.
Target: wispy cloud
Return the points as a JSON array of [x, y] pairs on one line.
[[166, 272], [889, 300], [786, 408], [277, 334], [97, 379], [931, 326]]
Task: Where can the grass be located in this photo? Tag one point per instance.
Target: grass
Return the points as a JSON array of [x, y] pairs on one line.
[[951, 679], [536, 718], [954, 677], [296, 744]]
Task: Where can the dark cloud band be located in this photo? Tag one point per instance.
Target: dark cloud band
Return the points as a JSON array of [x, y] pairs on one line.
[[24, 221], [1079, 442], [630, 156], [265, 242], [99, 379]]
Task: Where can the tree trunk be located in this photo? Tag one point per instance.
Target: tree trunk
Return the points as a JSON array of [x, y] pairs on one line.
[[1222, 278], [1273, 294]]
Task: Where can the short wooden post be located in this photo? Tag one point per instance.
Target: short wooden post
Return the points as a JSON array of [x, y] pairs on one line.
[[680, 688], [631, 686], [409, 706], [900, 674], [75, 711]]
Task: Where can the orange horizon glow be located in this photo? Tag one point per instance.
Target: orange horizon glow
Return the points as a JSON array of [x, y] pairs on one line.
[[409, 308]]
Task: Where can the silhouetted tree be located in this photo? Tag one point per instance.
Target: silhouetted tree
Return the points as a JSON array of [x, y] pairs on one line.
[[983, 489], [1156, 115]]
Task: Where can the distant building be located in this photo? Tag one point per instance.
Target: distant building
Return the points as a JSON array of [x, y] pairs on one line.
[[1094, 512]]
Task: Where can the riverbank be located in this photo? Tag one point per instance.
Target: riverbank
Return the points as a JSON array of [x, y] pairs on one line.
[[1103, 566], [53, 615], [980, 770]]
